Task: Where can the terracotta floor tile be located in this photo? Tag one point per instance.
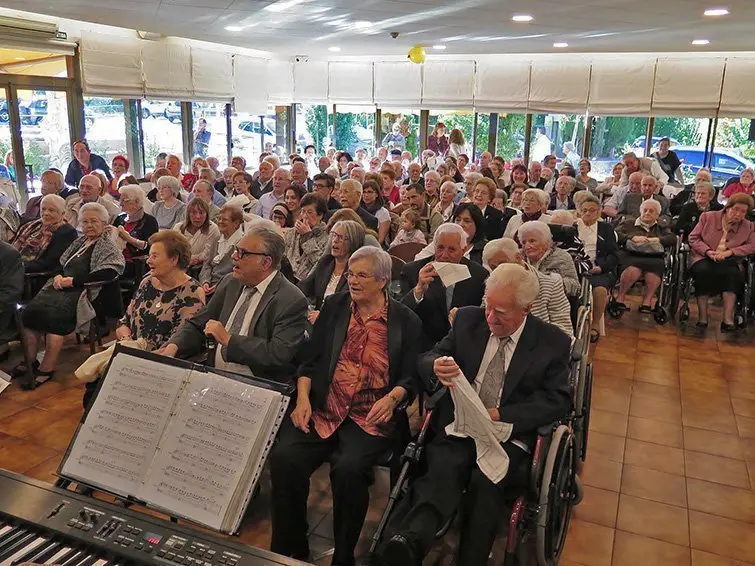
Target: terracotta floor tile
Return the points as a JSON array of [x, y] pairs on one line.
[[9, 407], [743, 389], [612, 400], [59, 432], [706, 400], [745, 426], [654, 456], [607, 422], [669, 378], [653, 520], [716, 469], [654, 431], [698, 353], [700, 368], [25, 422], [606, 446], [598, 506], [722, 536], [615, 371], [589, 544], [624, 355], [737, 372], [665, 362], [68, 399], [654, 485], [656, 409], [658, 350], [19, 455], [46, 470], [645, 389], [666, 337], [719, 421], [743, 407], [635, 550], [751, 471], [700, 558], [721, 500], [598, 472], [711, 442], [748, 448]]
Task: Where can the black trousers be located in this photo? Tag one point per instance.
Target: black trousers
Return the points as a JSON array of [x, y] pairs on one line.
[[352, 454], [433, 498], [714, 277]]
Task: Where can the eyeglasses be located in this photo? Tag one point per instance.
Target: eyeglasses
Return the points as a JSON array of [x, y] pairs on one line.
[[242, 253], [359, 276], [336, 237]]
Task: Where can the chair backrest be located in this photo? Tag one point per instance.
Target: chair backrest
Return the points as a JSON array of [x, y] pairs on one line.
[[562, 233], [397, 264], [407, 251]]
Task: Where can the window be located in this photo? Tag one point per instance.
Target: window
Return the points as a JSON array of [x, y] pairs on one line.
[[355, 128], [161, 127], [37, 63], [7, 170], [463, 121], [314, 126], [551, 131], [251, 135], [734, 149], [483, 134], [399, 129], [510, 136], [687, 137], [107, 129], [210, 139], [612, 137]]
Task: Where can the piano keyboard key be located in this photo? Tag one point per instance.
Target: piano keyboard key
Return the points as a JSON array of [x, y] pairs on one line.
[[23, 549], [45, 551], [60, 554], [71, 559], [33, 552], [17, 543]]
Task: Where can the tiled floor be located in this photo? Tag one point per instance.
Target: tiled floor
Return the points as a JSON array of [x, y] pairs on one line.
[[670, 476]]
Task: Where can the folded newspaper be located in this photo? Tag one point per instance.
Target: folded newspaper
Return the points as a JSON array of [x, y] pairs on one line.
[[471, 419]]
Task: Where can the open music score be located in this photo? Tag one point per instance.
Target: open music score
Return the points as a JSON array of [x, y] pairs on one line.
[[183, 440]]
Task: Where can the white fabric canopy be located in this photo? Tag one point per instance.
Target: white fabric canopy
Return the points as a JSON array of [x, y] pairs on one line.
[[687, 87], [501, 85], [111, 65], [280, 78], [350, 82], [559, 86], [250, 83], [311, 82], [398, 83], [167, 70], [448, 84], [737, 97], [622, 87], [212, 75]]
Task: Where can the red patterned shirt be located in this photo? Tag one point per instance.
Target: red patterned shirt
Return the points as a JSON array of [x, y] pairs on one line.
[[360, 378]]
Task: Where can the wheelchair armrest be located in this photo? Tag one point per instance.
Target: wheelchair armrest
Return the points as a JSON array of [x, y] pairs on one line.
[[46, 274], [576, 350], [434, 398], [97, 284]]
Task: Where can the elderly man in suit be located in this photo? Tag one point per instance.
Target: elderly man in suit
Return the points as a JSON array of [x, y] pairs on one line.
[[630, 208], [358, 365], [519, 367], [256, 315], [426, 294]]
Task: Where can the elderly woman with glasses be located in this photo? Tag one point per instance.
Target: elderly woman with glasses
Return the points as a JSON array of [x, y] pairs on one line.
[[745, 184], [719, 242], [703, 200], [533, 206], [218, 262], [59, 307], [169, 210], [357, 368], [539, 251], [643, 241], [134, 226], [329, 274], [307, 241]]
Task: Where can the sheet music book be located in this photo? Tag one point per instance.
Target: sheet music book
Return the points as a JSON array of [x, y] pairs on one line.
[[187, 440]]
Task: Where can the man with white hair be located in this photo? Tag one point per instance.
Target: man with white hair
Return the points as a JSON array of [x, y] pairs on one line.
[[616, 202], [281, 181], [300, 175], [426, 294], [535, 179], [351, 197], [630, 208], [264, 181], [551, 304], [414, 175], [90, 190], [357, 173], [203, 190], [519, 367], [224, 185], [485, 158]]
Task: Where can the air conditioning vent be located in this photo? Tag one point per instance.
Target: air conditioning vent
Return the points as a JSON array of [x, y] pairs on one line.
[[30, 29]]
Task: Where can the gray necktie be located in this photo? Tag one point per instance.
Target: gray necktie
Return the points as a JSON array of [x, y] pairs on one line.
[[238, 319], [449, 297], [490, 390]]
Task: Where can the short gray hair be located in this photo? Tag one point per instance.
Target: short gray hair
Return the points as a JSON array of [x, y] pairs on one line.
[[588, 197], [631, 154], [535, 228], [132, 191], [707, 185], [651, 202], [203, 169], [451, 228], [59, 180], [449, 183], [203, 182], [527, 285], [97, 208], [507, 246], [432, 175], [272, 241], [747, 170], [381, 262], [353, 183], [539, 193], [571, 180], [170, 182], [54, 200], [353, 231]]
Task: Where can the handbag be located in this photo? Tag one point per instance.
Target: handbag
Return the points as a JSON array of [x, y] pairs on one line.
[[644, 248]]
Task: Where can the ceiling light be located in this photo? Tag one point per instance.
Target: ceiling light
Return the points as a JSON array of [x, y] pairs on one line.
[[20, 58], [233, 28], [334, 49], [716, 12], [439, 47], [282, 6], [560, 44], [362, 24], [522, 17], [701, 42]]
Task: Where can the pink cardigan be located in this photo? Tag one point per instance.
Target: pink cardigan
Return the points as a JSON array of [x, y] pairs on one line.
[[708, 232]]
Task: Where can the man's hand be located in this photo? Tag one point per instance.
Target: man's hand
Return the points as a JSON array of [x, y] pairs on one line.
[[381, 411], [302, 414], [169, 350], [217, 331], [425, 277], [639, 239], [312, 316], [446, 370], [123, 333], [494, 415], [595, 270], [208, 289]]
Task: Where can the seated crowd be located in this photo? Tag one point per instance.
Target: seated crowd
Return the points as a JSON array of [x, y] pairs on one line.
[[297, 275]]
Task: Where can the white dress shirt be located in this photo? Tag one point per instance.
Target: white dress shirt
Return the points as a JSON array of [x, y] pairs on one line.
[[220, 362], [589, 237]]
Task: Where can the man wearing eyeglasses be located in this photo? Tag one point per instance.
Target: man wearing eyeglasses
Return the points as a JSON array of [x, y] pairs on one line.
[[256, 316]]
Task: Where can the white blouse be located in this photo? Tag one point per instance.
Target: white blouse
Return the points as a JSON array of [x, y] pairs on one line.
[[589, 237]]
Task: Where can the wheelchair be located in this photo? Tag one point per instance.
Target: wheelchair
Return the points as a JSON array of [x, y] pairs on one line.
[[581, 378], [665, 305]]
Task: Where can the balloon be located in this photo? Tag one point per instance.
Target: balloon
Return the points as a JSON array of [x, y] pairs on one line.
[[417, 54]]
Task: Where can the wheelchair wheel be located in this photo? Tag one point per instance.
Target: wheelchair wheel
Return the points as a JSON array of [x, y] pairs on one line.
[[684, 313], [557, 495], [582, 431], [660, 315]]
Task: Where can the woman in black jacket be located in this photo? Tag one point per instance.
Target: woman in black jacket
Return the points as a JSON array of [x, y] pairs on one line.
[[469, 217], [704, 201], [134, 227]]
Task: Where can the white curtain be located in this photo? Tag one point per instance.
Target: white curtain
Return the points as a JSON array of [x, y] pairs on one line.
[[311, 82], [280, 77], [350, 82], [501, 85], [111, 65], [559, 86], [250, 85], [687, 87], [212, 75], [167, 70], [622, 86], [448, 84], [398, 83], [737, 97]]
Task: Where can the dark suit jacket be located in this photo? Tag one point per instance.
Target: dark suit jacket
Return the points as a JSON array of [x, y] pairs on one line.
[[432, 309], [276, 331], [49, 259], [369, 220], [689, 215], [320, 354], [493, 223], [606, 251], [536, 388], [11, 288], [257, 189], [631, 205], [313, 285], [569, 200]]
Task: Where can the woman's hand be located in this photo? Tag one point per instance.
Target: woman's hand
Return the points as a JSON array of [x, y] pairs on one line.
[[302, 414], [123, 333], [123, 234], [61, 282], [381, 411], [596, 270], [302, 227], [639, 239]]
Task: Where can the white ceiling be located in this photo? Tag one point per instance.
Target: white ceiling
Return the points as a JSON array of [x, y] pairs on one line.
[[309, 27]]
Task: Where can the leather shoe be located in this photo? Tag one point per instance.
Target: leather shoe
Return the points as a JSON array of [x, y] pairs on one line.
[[401, 550]]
